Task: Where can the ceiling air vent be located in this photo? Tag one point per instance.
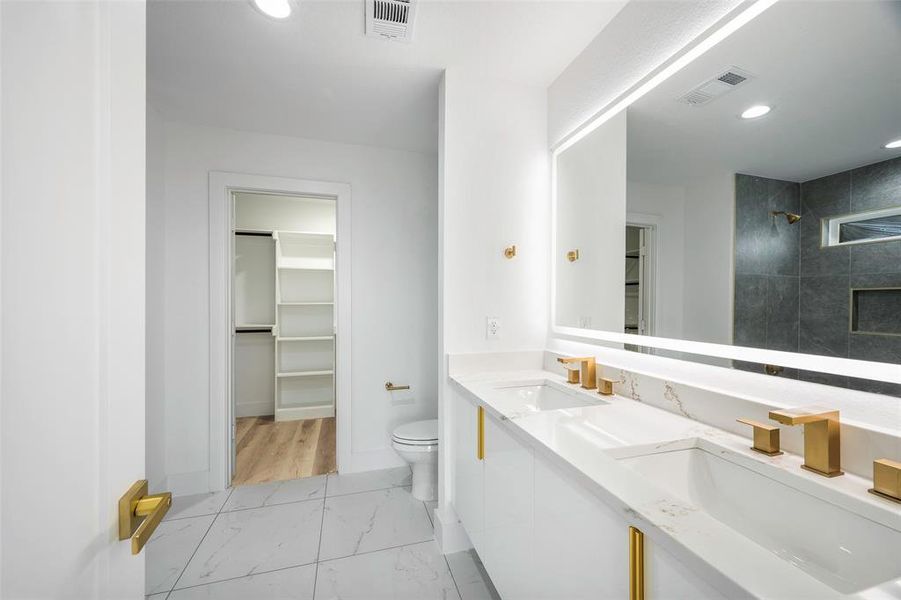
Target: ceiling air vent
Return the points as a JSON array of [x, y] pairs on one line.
[[390, 19], [717, 86]]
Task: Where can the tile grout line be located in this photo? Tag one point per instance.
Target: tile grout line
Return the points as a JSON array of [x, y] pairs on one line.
[[382, 489], [432, 539], [188, 587], [321, 528], [319, 546], [237, 577], [196, 548], [451, 571]]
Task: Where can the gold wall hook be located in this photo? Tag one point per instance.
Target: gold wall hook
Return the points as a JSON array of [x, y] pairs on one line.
[[572, 255], [510, 251], [134, 505]]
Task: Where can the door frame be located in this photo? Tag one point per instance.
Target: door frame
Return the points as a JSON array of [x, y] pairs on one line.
[[221, 186], [651, 226]]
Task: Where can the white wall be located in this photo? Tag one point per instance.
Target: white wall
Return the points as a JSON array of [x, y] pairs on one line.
[[666, 203], [709, 251], [286, 213], [494, 192], [591, 217], [155, 408], [395, 283]]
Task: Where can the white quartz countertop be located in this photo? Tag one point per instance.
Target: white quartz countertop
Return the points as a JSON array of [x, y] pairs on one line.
[[585, 442]]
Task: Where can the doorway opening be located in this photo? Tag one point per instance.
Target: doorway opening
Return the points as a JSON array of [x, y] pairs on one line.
[[283, 361], [639, 280]]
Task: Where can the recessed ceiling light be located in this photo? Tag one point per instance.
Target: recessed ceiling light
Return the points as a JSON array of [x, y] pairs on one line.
[[277, 9], [894, 144], [755, 111]]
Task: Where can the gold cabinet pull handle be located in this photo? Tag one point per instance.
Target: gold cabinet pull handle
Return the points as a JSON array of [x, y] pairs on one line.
[[636, 564], [480, 448], [140, 513]]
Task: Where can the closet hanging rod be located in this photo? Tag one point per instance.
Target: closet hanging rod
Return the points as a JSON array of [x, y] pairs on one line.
[[253, 330], [254, 233]]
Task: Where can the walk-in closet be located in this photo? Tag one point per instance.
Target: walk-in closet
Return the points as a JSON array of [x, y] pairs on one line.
[[284, 339]]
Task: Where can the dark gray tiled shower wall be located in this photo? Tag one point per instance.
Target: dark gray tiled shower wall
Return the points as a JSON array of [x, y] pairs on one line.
[[791, 294], [767, 264]]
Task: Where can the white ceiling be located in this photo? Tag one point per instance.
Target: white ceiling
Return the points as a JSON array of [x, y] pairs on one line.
[[316, 75], [832, 72]]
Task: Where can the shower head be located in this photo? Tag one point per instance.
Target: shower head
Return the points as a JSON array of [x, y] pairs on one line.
[[792, 218]]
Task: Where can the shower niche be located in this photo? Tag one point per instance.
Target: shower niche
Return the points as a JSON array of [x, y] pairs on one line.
[[876, 311]]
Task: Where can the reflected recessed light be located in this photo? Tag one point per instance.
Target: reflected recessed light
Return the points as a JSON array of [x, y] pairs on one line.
[[277, 9], [893, 144], [756, 111]]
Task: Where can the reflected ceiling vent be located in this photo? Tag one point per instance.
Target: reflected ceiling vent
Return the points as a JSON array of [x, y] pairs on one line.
[[390, 19], [725, 82]]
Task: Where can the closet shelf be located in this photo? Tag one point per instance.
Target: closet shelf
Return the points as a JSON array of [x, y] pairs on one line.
[[305, 374], [311, 338], [306, 303], [288, 268], [254, 326]]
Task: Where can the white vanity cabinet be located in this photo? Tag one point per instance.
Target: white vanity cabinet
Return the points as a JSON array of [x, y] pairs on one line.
[[542, 535], [581, 545], [665, 577], [508, 544], [469, 497]]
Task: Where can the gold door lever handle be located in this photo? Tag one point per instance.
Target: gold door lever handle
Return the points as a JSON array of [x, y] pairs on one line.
[[134, 505], [393, 388]]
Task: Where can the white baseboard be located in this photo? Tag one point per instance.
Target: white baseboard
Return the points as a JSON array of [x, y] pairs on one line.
[[185, 484], [254, 409], [304, 412], [385, 458], [449, 531]]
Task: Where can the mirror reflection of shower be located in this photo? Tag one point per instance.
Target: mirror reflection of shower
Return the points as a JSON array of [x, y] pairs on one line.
[[792, 218]]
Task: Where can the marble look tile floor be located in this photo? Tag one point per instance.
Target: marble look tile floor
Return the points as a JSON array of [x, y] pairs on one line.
[[359, 536]]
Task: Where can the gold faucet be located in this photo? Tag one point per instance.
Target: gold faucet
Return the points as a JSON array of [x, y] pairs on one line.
[[822, 437], [587, 368]]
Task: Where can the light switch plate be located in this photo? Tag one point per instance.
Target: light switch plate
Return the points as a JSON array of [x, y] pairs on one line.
[[492, 328]]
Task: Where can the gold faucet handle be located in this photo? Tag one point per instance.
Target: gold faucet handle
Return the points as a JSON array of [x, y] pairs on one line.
[[605, 386], [572, 374], [887, 479], [803, 415], [766, 437]]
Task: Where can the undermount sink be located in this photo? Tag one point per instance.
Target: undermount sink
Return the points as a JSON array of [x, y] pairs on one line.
[[537, 397], [843, 550]]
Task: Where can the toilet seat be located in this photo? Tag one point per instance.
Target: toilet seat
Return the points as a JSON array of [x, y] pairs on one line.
[[417, 433]]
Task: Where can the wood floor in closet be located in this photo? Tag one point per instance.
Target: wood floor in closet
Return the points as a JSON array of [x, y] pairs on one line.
[[277, 451]]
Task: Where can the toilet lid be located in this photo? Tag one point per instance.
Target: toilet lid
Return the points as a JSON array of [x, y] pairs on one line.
[[418, 431]]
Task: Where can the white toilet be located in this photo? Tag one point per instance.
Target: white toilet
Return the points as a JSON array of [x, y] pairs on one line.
[[417, 443]]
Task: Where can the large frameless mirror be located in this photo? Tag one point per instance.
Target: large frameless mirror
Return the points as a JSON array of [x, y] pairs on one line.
[[752, 199]]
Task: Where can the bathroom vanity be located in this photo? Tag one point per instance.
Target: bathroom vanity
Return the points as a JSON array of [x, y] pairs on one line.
[[550, 479]]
